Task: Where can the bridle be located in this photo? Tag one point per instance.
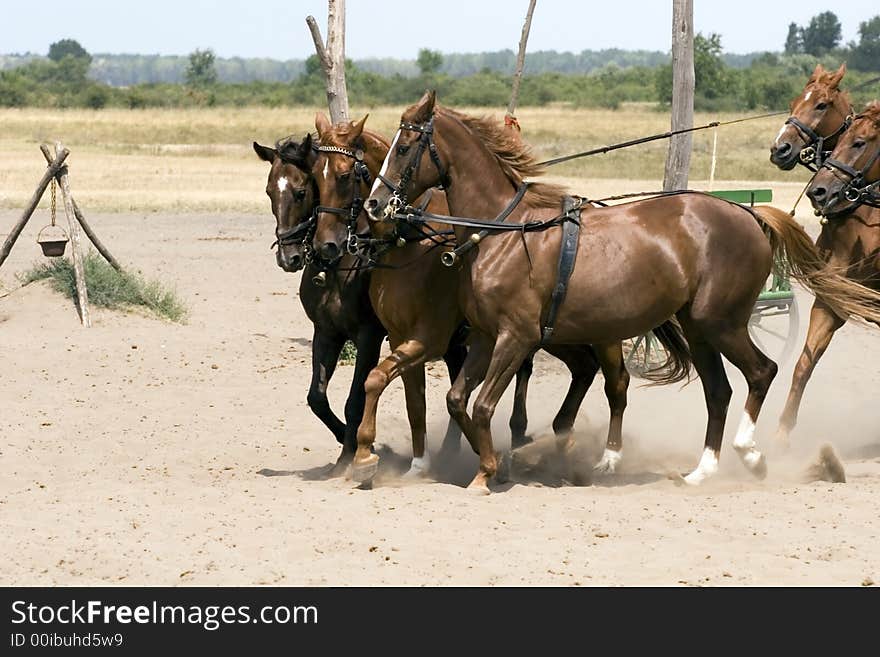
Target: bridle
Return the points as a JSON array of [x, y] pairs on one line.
[[426, 141], [301, 233], [813, 154], [856, 189], [353, 210]]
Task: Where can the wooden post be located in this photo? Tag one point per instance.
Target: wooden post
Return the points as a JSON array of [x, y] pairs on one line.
[[678, 157], [332, 57], [509, 118], [54, 167], [87, 229], [82, 293]]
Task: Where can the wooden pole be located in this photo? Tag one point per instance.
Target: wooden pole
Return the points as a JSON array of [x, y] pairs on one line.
[[678, 157], [82, 292], [509, 118], [54, 166], [87, 229], [332, 58]]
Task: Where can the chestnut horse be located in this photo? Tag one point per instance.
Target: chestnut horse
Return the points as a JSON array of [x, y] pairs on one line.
[[689, 255], [819, 115], [847, 238], [340, 310], [420, 325]]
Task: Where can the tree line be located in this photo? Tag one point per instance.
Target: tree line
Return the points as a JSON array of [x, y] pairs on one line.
[[71, 77]]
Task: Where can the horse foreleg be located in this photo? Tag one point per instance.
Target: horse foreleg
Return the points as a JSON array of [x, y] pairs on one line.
[[368, 343], [507, 356], [454, 357], [414, 390], [325, 354], [472, 373], [519, 419], [405, 356], [823, 323]]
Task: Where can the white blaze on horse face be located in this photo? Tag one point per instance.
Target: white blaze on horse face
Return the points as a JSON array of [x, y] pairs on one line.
[[781, 132], [807, 96], [378, 181], [326, 167], [282, 184], [707, 467]]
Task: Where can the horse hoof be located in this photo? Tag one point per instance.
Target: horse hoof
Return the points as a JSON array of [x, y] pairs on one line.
[[607, 465], [364, 470], [782, 440], [418, 468], [479, 489], [502, 475], [759, 468]]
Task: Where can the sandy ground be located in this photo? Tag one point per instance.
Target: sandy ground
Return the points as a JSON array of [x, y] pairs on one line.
[[139, 452]]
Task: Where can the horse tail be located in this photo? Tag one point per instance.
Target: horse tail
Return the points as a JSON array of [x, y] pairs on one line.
[[795, 253], [677, 366]]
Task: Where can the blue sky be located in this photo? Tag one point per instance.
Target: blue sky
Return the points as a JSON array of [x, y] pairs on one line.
[[399, 28]]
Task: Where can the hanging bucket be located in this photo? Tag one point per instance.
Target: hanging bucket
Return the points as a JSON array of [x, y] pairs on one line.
[[53, 240]]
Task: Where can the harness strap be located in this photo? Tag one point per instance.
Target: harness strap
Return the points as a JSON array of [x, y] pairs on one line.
[[571, 225]]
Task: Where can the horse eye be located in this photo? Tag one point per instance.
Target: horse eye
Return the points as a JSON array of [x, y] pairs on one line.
[[403, 149], [858, 143], [342, 177], [300, 194], [821, 106]]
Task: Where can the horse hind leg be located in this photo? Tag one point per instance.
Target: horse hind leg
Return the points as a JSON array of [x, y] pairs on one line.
[[519, 417], [716, 389], [616, 386], [759, 372]]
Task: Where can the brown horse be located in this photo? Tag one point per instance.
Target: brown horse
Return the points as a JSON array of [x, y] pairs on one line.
[[689, 255], [819, 115], [420, 325], [846, 190], [847, 238], [340, 310]]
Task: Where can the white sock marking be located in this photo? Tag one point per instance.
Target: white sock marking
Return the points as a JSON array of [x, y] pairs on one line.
[[707, 467], [419, 466], [377, 183], [745, 434], [608, 462]]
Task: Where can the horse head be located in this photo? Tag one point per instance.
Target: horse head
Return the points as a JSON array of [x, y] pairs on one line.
[[292, 191], [850, 175], [819, 114]]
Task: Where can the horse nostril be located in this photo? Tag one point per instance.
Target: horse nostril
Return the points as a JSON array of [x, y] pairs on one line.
[[783, 149], [329, 251], [818, 193], [296, 260], [372, 204]]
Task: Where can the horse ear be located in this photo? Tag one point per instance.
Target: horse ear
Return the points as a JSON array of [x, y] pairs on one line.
[[819, 70], [358, 128], [265, 153], [837, 76], [425, 106], [306, 155], [322, 123]]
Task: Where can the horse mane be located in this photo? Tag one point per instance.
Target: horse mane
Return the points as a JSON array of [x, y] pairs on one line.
[[514, 157], [871, 112]]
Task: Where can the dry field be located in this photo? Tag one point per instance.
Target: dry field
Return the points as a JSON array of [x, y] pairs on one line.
[[145, 452]]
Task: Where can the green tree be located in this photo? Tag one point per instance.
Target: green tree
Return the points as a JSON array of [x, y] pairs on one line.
[[429, 61], [68, 48], [794, 42], [822, 34], [866, 55], [201, 71]]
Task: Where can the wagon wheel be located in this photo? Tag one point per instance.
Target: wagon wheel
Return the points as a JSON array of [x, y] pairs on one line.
[[642, 354], [773, 328]]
